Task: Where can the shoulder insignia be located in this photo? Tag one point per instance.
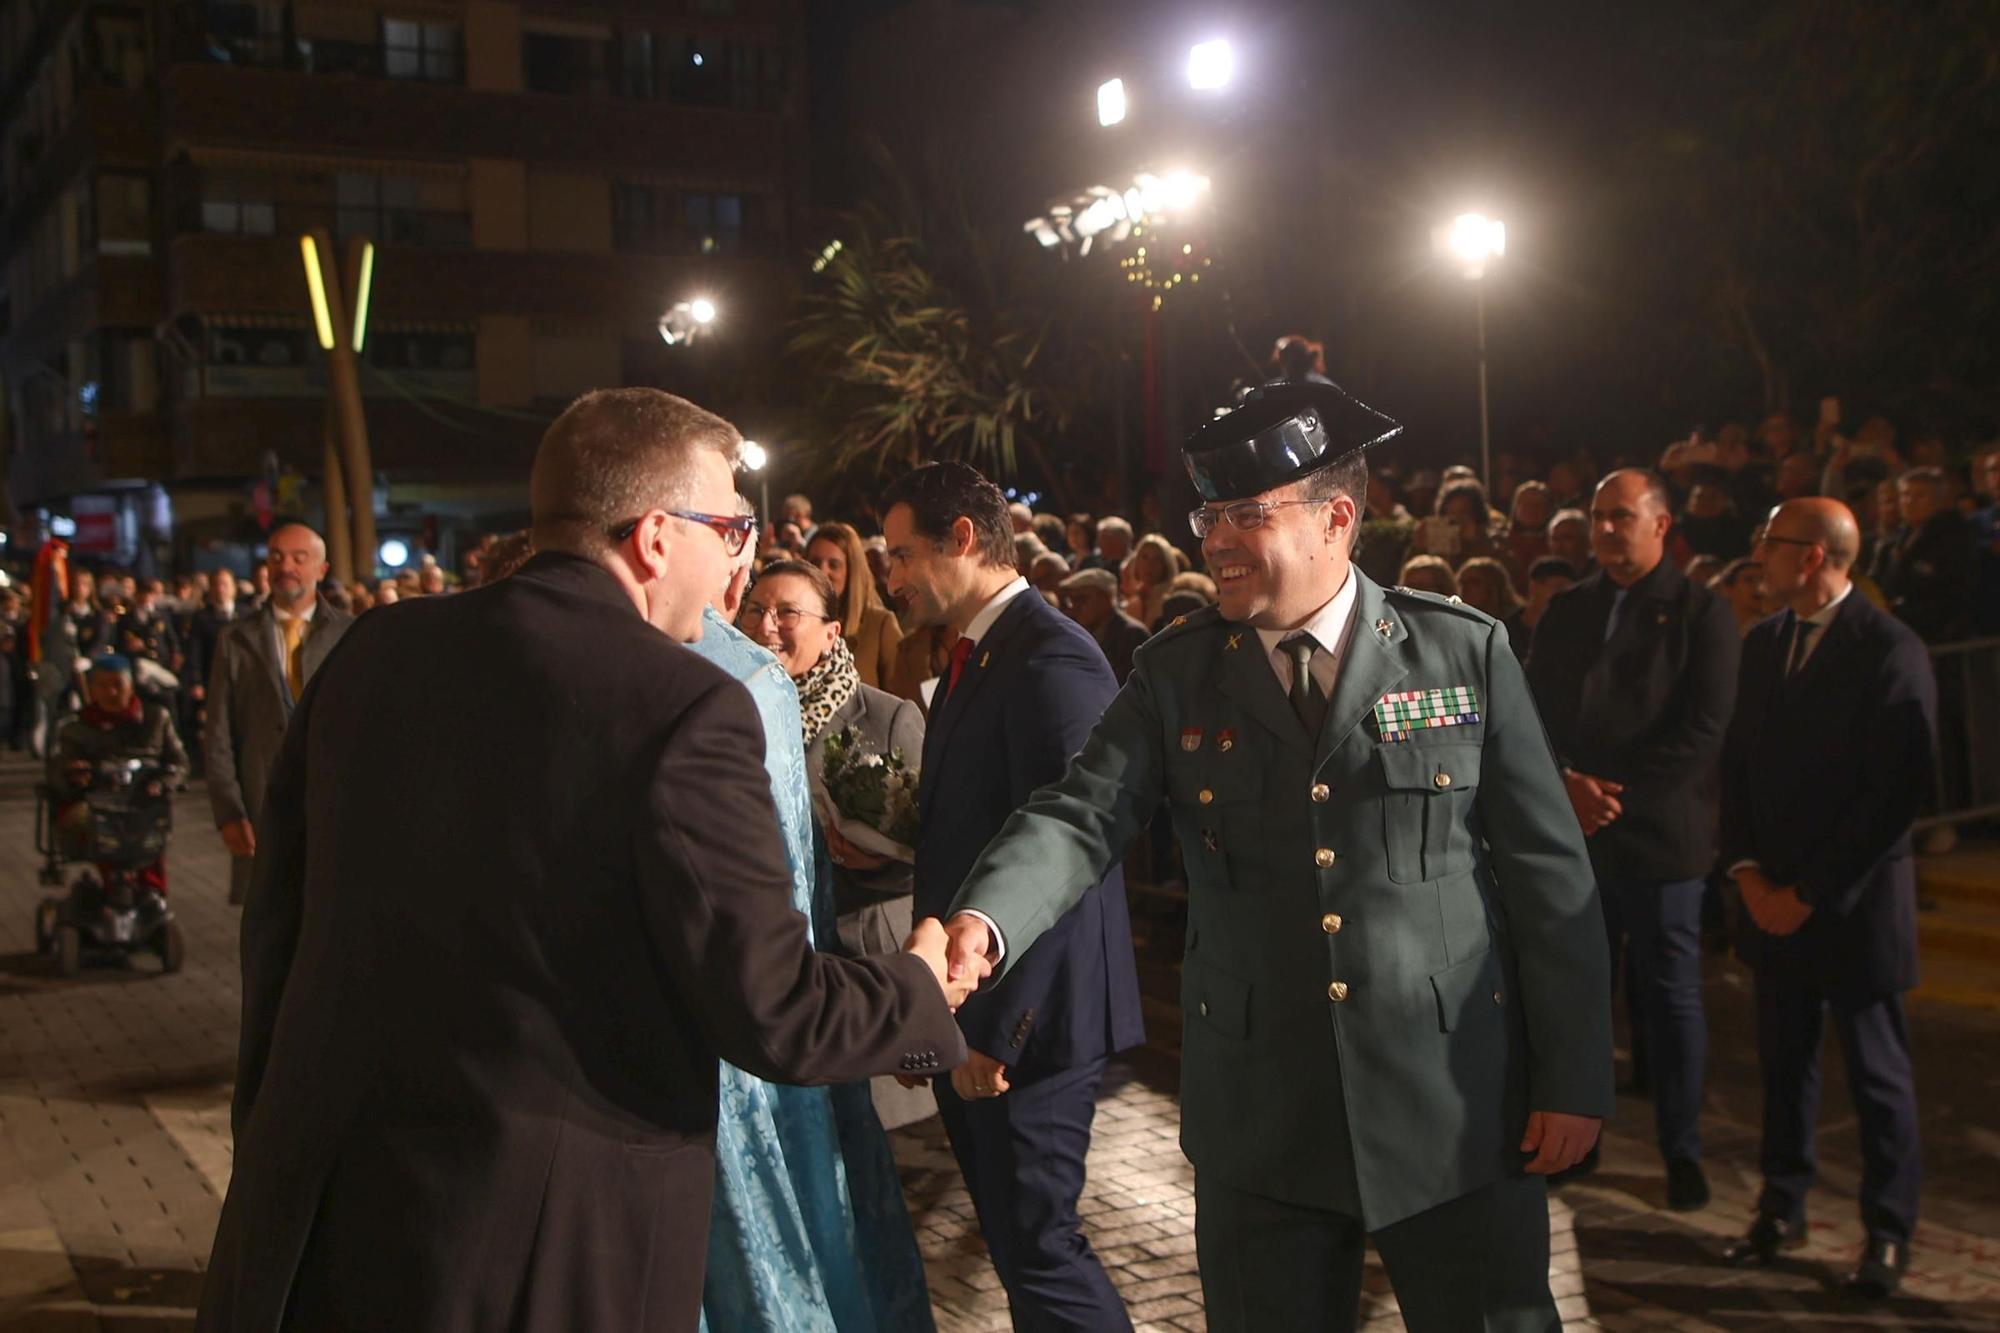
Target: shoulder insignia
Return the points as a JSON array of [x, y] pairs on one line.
[[1440, 601]]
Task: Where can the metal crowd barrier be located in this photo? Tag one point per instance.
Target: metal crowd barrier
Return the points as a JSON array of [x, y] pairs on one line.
[[1968, 769]]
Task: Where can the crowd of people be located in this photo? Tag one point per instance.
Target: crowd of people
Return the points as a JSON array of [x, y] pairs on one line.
[[1658, 608]]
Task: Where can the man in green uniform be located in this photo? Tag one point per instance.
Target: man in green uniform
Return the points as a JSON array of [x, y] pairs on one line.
[[1395, 994]]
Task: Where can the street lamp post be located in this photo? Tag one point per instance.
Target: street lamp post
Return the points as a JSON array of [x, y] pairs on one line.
[[1476, 240]]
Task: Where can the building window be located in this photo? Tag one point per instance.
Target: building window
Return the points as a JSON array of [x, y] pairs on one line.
[[402, 210], [244, 32], [661, 220], [564, 62], [238, 204], [423, 49]]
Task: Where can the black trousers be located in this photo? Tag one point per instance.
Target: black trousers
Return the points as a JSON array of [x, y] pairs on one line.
[[1022, 1155], [1875, 1042], [1479, 1263]]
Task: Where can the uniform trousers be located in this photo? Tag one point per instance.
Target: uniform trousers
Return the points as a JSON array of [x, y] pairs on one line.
[[1476, 1264], [1875, 1043]]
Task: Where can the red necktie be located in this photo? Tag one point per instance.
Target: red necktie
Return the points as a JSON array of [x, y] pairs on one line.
[[961, 653]]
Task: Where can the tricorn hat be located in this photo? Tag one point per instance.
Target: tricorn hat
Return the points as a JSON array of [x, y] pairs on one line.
[[1281, 432]]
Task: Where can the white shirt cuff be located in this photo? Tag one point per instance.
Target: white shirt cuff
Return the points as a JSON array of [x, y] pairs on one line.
[[998, 948], [1745, 864]]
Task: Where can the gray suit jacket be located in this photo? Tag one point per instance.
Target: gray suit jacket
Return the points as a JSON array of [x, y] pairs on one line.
[[886, 723], [248, 707]]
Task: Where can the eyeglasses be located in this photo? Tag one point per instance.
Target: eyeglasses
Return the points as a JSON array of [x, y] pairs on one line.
[[752, 615], [1784, 541], [1243, 515], [734, 529]]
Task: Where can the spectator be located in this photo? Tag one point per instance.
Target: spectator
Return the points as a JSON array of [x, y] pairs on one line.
[[507, 554], [1082, 532], [1027, 549], [1741, 584], [260, 589], [1022, 517], [114, 725], [1054, 533], [1798, 477], [1711, 525], [1528, 523], [1428, 573], [407, 584], [1144, 577], [360, 598], [1986, 539], [1635, 673], [1090, 598], [1702, 570], [388, 593], [1297, 357], [95, 628], [1114, 542], [1047, 573], [793, 610], [262, 665], [870, 628], [797, 510], [1928, 577], [1569, 540], [877, 551], [1420, 493], [205, 629], [1546, 577], [430, 578], [1486, 586]]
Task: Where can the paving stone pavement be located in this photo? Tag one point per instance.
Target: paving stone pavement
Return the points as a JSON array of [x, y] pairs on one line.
[[114, 1152]]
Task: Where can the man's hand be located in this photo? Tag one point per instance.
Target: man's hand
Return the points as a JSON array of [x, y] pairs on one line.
[[1595, 800], [240, 838], [1558, 1141], [1776, 910], [849, 857], [971, 946], [979, 1078], [928, 942]]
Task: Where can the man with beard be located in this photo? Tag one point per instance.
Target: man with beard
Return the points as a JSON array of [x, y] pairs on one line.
[[1395, 994], [261, 667]]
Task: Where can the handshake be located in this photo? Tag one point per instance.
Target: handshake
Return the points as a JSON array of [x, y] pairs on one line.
[[959, 955]]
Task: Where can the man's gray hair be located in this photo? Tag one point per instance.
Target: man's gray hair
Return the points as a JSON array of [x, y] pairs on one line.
[[614, 454]]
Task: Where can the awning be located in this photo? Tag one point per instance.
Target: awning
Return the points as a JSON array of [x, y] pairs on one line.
[[237, 159]]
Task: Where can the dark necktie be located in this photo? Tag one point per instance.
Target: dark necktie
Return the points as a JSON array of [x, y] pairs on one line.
[[1611, 621], [1307, 701], [1802, 632]]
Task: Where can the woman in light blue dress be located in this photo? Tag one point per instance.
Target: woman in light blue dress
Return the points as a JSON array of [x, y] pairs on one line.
[[792, 1249]]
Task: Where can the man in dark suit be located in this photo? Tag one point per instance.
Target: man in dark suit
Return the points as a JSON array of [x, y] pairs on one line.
[[1023, 689], [262, 666], [1829, 757], [1634, 670], [503, 923]]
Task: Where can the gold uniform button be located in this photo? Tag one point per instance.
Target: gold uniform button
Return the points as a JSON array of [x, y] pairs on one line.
[[1322, 793], [1443, 779], [1206, 796], [1323, 857], [1337, 991], [1330, 923]]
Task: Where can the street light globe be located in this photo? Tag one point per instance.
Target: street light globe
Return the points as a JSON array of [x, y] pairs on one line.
[[752, 456], [1110, 102], [1474, 239], [394, 553], [702, 309], [1211, 65]]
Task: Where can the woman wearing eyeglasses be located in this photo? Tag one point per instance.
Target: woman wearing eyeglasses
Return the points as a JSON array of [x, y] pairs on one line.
[[792, 611], [870, 628]]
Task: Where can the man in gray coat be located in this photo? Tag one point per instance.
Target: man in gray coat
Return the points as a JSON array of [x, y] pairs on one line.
[[261, 667]]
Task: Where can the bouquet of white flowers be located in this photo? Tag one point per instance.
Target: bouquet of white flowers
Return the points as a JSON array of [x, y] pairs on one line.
[[873, 796]]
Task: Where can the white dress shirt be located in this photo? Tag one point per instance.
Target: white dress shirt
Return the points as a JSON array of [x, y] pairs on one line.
[[1329, 627]]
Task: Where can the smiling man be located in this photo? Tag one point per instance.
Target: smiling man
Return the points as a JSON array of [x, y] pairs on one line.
[[1396, 1011]]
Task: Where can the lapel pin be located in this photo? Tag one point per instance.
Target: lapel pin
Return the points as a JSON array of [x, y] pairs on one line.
[[1191, 739], [1385, 628], [1235, 642], [1210, 841], [1225, 740], [984, 658]]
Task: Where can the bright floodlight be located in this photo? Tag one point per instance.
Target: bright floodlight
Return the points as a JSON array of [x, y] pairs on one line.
[[1181, 188], [752, 456], [393, 553], [1110, 102], [1474, 239], [702, 309], [1210, 65]]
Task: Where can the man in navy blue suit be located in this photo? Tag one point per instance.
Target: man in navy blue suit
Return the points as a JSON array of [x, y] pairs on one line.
[[1827, 761], [1024, 688]]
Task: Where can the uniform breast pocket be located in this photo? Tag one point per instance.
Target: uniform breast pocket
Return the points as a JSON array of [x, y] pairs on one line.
[[1218, 820], [1429, 788]]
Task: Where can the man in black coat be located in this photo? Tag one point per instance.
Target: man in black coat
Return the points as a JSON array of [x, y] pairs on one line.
[[1830, 755], [1024, 688], [1634, 670], [1928, 575], [519, 884]]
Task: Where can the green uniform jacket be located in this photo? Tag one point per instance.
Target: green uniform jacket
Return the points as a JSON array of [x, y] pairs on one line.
[[1395, 949]]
